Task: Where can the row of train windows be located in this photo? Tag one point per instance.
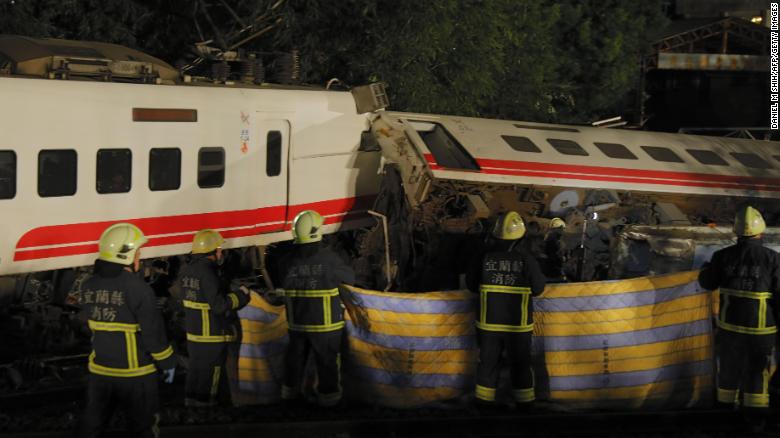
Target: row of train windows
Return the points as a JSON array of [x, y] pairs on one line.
[[615, 150], [57, 169]]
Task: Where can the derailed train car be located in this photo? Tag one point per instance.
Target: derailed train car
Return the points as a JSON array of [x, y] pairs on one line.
[[635, 203], [94, 134]]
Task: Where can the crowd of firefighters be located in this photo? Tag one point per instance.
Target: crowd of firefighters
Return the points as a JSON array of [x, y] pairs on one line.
[[130, 349]]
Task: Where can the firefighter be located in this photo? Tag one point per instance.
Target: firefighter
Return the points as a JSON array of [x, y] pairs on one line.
[[748, 277], [312, 275], [128, 341], [553, 251], [506, 277], [208, 306]]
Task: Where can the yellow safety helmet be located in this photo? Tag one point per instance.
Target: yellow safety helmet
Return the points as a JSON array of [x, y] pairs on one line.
[[557, 222], [120, 242], [307, 227], [206, 241], [749, 222], [509, 226]]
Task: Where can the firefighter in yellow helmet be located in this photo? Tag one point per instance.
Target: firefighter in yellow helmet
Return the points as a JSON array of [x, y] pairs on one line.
[[747, 275], [312, 276], [554, 251], [505, 277], [208, 305], [128, 337]]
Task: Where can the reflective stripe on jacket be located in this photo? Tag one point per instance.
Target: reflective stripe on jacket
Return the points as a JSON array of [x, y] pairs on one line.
[[494, 297], [746, 312], [127, 327], [314, 311], [508, 279], [311, 275], [748, 278], [207, 305]]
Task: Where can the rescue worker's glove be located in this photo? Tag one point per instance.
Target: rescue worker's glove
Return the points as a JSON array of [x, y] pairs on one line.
[[356, 311], [236, 285], [168, 375], [274, 297]]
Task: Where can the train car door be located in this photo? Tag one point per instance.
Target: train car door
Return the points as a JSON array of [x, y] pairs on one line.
[[274, 142]]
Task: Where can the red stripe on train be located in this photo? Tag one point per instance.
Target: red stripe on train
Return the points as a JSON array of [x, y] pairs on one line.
[[617, 174], [183, 226]]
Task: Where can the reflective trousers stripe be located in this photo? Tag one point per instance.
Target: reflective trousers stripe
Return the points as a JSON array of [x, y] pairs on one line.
[[215, 381], [727, 395], [755, 400], [485, 393], [524, 395]]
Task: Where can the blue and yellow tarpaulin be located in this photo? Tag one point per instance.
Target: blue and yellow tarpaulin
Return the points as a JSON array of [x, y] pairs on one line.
[[624, 343]]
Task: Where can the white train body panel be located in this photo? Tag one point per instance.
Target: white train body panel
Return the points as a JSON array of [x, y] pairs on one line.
[[483, 140], [322, 167], [321, 133]]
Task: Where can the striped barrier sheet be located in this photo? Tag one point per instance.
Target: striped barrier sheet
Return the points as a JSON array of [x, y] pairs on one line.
[[644, 342]]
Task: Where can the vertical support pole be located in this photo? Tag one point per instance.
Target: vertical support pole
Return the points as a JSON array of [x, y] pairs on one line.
[[263, 270], [388, 274]]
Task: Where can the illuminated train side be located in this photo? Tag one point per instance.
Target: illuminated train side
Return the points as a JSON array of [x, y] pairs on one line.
[[172, 160], [535, 154], [282, 150]]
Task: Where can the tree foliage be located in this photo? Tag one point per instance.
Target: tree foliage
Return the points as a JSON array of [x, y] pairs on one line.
[[543, 60]]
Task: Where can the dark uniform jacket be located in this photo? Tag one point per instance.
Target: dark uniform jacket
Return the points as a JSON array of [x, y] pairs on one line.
[[748, 275], [207, 306], [311, 275], [128, 331], [553, 245], [505, 280]]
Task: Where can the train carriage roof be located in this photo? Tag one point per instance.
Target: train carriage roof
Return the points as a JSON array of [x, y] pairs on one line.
[[38, 56]]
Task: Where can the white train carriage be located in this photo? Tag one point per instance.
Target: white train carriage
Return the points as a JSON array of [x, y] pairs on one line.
[[76, 156], [458, 171], [535, 154], [175, 157]]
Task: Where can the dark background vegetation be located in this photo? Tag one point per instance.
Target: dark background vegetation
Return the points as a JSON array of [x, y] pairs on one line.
[[542, 60]]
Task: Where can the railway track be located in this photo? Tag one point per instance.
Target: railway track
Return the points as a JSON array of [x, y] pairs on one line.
[[365, 422]]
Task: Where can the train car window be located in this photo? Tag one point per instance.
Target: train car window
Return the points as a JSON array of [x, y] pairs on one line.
[[704, 156], [114, 168], [273, 157], [521, 144], [164, 169], [567, 147], [751, 160], [211, 167], [615, 150], [547, 128], [7, 174], [662, 154], [446, 149], [57, 172]]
